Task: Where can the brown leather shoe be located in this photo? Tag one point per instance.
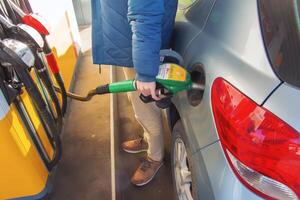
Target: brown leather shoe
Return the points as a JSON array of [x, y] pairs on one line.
[[146, 172], [135, 146]]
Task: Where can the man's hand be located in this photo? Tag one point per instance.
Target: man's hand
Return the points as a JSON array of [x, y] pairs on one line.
[[147, 88]]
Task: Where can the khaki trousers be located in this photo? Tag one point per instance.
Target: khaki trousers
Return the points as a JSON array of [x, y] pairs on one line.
[[150, 118]]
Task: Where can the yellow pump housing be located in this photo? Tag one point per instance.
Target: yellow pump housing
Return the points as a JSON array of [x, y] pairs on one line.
[[22, 172]]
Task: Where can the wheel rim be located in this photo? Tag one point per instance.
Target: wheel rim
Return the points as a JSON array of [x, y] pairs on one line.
[[182, 173]]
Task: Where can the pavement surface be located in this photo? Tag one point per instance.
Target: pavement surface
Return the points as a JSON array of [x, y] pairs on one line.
[[84, 171], [125, 164]]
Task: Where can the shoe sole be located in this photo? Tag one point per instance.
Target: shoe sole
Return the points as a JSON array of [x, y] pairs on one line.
[[142, 184], [140, 151]]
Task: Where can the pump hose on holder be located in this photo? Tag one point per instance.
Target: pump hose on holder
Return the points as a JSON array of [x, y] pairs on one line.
[[8, 56]]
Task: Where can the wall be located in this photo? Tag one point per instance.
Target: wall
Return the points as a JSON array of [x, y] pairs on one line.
[[83, 11], [64, 35]]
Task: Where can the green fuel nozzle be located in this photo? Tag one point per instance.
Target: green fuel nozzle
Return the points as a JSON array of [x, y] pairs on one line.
[[122, 86], [170, 80]]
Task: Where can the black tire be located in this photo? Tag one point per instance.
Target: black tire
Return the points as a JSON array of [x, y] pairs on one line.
[[178, 134]]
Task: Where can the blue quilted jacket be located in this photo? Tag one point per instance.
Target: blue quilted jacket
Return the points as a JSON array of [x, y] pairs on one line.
[[131, 33]]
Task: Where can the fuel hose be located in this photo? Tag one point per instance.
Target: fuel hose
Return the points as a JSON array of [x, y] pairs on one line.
[[27, 19], [25, 6], [12, 15], [122, 86], [51, 60], [19, 34], [8, 56], [47, 82], [46, 118]]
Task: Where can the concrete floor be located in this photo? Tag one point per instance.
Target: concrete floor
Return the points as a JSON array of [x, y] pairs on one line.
[[84, 171]]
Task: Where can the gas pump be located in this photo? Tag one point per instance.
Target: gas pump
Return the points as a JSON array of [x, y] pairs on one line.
[[30, 146], [34, 40]]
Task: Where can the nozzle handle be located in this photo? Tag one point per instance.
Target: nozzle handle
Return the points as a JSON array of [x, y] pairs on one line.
[[165, 102], [146, 99], [161, 90]]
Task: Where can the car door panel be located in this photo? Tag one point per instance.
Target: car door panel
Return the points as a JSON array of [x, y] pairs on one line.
[[190, 20]]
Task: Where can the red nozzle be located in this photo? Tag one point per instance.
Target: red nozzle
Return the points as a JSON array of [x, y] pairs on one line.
[[36, 22]]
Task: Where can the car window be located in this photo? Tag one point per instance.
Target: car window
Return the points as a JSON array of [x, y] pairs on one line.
[[280, 24]]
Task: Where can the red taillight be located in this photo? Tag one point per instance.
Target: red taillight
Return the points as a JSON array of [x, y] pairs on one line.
[[36, 22], [263, 151]]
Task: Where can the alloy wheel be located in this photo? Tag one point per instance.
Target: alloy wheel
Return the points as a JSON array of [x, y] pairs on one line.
[[183, 176]]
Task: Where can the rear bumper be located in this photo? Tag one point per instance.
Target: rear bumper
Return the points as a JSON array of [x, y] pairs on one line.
[[224, 183]]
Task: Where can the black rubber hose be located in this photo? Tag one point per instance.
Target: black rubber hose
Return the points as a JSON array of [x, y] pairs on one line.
[[42, 71], [64, 96], [28, 124], [7, 55], [49, 55], [11, 13], [25, 6], [28, 6], [45, 77], [100, 90], [57, 154], [45, 115], [55, 70]]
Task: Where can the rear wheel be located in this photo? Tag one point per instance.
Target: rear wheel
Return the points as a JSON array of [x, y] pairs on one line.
[[182, 165]]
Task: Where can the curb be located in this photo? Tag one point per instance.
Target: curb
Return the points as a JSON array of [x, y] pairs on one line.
[[113, 132]]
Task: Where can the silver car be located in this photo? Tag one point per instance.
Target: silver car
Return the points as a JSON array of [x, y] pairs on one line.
[[239, 139]]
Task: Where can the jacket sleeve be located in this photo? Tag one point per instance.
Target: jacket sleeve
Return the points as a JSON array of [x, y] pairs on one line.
[[145, 18]]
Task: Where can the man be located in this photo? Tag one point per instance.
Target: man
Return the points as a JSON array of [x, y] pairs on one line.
[[130, 33]]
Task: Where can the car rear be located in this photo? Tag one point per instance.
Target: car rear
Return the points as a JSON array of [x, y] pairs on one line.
[[249, 135], [261, 142]]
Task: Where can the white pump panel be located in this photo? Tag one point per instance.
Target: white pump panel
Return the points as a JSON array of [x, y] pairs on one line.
[[4, 107]]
